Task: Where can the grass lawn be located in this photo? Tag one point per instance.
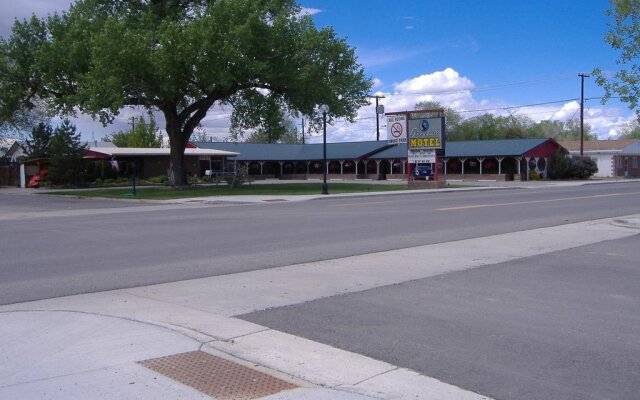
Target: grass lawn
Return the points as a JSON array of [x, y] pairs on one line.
[[277, 189]]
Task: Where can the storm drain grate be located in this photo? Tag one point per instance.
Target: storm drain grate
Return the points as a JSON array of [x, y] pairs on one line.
[[217, 377]]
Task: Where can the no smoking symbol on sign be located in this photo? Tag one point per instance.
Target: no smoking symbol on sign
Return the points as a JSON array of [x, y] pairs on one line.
[[396, 130]]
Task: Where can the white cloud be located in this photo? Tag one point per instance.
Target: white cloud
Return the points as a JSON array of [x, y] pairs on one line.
[[377, 83], [310, 11], [451, 89]]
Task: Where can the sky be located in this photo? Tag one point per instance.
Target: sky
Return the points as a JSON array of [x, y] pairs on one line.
[[475, 56]]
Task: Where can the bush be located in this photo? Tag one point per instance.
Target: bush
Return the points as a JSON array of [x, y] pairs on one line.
[[563, 166], [241, 176], [161, 179], [534, 176], [583, 167]]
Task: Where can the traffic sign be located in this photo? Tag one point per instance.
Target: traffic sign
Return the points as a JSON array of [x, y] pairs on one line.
[[396, 128]]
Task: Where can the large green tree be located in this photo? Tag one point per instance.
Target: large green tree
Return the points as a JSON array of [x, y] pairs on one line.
[[37, 144], [182, 57], [624, 36], [65, 155], [142, 134]]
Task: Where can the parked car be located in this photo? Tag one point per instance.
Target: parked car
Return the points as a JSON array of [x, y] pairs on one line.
[[423, 172]]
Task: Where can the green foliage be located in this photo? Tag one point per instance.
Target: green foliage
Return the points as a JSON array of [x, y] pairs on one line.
[[143, 134], [563, 166], [583, 167], [37, 145], [264, 58], [560, 166], [240, 177], [162, 179], [287, 132], [534, 176], [66, 153], [489, 126], [630, 131], [623, 36]]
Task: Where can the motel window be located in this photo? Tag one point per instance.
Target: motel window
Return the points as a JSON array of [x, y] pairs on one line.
[[619, 162]]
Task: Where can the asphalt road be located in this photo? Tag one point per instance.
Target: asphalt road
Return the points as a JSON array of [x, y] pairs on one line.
[[57, 246], [559, 326]]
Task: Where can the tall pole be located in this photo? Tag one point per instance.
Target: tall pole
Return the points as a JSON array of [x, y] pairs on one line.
[[302, 130], [325, 189], [377, 97], [582, 76], [377, 121]]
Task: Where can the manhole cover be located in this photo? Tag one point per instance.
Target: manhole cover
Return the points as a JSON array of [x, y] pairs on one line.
[[217, 377]]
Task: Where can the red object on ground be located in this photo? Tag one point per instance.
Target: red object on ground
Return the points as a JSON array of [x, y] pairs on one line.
[[34, 182]]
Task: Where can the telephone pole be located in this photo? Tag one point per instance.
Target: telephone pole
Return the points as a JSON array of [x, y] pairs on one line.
[[582, 76], [378, 97], [302, 130]]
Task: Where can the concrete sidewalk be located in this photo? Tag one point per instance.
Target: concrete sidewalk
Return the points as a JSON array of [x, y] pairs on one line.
[[111, 345]]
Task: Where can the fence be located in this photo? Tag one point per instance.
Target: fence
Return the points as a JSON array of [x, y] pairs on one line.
[[9, 175]]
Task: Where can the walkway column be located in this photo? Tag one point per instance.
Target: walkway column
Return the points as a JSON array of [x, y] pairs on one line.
[[499, 164], [281, 170], [357, 162], [261, 164], [462, 161], [390, 166], [23, 176], [326, 167], [378, 167], [444, 164], [527, 160], [308, 163], [404, 169], [341, 167], [519, 160], [481, 160]]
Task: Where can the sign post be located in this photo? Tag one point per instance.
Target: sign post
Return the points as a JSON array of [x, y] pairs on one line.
[[424, 133]]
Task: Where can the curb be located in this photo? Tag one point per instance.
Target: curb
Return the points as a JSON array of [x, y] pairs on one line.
[[633, 223]]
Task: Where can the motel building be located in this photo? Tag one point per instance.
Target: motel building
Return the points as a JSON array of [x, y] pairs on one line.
[[465, 160]]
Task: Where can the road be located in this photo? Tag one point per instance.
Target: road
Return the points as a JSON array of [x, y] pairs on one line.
[[561, 326], [78, 246]]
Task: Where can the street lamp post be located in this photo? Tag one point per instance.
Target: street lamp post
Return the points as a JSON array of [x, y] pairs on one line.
[[324, 109]]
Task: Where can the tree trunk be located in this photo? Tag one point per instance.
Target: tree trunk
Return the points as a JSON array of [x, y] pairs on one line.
[[177, 174], [179, 132], [177, 143]]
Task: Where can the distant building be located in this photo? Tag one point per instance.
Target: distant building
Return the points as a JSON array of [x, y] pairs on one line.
[[627, 163], [603, 152]]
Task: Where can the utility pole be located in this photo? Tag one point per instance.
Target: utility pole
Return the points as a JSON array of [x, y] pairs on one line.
[[582, 76], [378, 97], [302, 130], [133, 123]]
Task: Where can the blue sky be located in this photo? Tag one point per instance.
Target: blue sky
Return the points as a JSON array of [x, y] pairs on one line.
[[471, 55], [497, 53]]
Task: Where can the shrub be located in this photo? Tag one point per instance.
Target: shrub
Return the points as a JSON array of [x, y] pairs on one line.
[[241, 176], [161, 179], [583, 167], [534, 176], [563, 166]]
